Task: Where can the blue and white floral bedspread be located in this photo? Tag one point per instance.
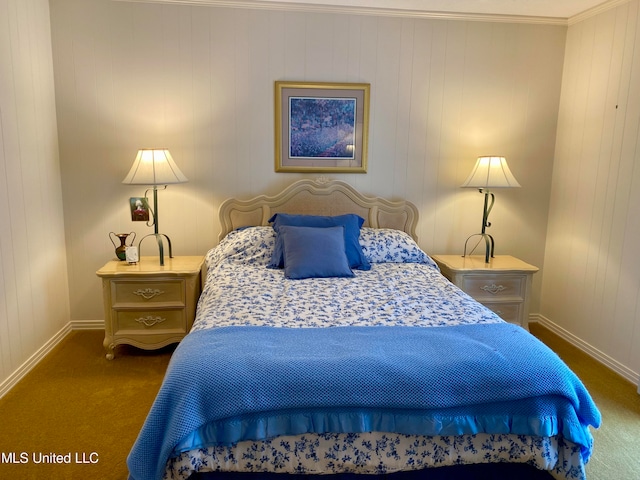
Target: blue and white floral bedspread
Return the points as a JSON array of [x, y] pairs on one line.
[[410, 292], [375, 453], [409, 289]]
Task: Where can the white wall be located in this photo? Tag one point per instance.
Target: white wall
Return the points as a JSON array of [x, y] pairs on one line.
[[591, 282], [34, 297], [199, 80]]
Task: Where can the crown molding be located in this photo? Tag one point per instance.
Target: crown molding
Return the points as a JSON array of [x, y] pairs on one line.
[[393, 12], [592, 12], [351, 10]]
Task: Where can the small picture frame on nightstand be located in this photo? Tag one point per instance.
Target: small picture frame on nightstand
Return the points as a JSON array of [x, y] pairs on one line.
[[131, 255]]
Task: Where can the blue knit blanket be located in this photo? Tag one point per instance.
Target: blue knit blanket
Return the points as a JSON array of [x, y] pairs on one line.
[[251, 383]]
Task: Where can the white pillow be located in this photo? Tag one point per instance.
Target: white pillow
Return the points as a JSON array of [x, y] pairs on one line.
[[250, 245], [386, 245]]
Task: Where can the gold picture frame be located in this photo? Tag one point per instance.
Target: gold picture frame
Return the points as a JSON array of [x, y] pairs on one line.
[[321, 127]]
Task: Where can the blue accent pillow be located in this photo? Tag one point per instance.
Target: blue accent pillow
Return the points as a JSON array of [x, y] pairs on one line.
[[311, 252], [350, 222]]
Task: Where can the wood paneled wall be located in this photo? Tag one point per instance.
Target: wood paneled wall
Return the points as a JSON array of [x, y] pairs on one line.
[[34, 297], [199, 81], [591, 281]]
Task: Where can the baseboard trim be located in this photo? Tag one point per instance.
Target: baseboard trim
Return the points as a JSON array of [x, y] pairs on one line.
[[87, 324], [34, 359], [593, 352]]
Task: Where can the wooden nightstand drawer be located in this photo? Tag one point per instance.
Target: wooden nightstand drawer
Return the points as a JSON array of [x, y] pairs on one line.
[[164, 292], [149, 305], [487, 286], [511, 312], [503, 285], [141, 322]]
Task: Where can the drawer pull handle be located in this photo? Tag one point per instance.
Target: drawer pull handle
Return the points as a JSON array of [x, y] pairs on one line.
[[148, 293], [150, 321], [493, 288]]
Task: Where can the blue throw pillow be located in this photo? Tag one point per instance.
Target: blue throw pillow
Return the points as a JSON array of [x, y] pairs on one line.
[[311, 252], [350, 222]]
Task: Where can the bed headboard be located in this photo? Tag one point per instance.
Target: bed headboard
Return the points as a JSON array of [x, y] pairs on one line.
[[318, 197]]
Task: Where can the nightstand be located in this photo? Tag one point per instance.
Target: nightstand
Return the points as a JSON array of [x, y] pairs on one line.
[[503, 284], [148, 305]]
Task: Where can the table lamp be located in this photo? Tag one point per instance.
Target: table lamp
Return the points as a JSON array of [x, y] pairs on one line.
[[155, 167], [488, 172]]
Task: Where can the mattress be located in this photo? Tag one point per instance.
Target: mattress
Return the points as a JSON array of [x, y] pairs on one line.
[[403, 302]]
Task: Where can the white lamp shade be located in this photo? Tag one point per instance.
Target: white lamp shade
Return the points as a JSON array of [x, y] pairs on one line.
[[154, 167], [491, 172]]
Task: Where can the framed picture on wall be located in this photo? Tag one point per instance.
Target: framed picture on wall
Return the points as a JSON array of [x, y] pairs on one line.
[[139, 209], [321, 127]]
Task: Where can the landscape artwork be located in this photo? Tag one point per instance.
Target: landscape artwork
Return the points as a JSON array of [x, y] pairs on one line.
[[321, 127]]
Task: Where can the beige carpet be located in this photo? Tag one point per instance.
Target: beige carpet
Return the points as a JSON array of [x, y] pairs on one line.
[[617, 442], [76, 402]]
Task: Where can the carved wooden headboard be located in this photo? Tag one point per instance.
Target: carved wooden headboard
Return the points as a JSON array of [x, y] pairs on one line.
[[318, 197]]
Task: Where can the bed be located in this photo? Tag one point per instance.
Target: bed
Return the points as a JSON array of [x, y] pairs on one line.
[[327, 343]]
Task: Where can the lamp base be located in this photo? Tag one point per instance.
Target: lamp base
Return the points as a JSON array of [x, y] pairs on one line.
[[160, 245], [489, 245]]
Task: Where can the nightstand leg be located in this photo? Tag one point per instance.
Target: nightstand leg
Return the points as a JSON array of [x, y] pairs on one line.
[[109, 346]]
